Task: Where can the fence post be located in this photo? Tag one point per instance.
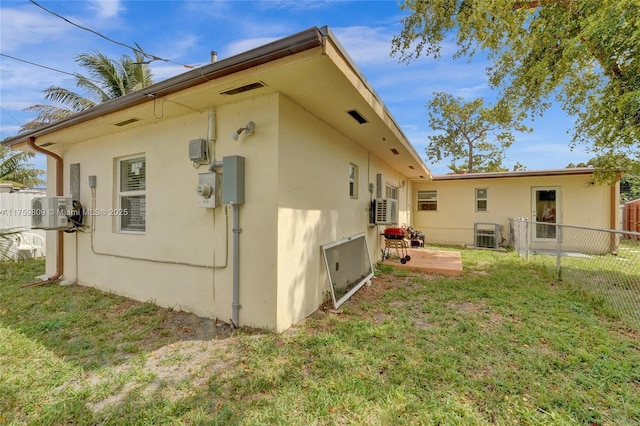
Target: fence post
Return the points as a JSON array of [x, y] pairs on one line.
[[558, 251]]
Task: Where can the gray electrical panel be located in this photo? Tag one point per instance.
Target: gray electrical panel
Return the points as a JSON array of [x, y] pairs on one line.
[[74, 180], [199, 151], [233, 180]]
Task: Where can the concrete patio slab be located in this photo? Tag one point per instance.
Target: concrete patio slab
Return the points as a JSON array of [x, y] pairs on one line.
[[430, 261]]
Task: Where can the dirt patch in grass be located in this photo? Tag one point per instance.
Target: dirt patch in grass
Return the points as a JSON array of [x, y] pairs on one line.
[[468, 307], [368, 302], [172, 372]]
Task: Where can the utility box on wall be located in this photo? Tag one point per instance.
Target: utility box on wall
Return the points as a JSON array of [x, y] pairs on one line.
[[208, 190], [233, 180]]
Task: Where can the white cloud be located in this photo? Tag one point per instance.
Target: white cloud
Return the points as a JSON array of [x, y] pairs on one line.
[[366, 45], [469, 93], [244, 45], [28, 26], [106, 9], [162, 72]]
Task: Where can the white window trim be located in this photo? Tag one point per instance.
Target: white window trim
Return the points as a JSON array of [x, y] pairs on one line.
[[393, 188], [353, 181], [486, 199], [418, 200], [120, 194]]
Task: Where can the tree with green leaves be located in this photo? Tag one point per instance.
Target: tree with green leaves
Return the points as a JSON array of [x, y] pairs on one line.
[[583, 52], [107, 79], [15, 169], [629, 188], [470, 132]]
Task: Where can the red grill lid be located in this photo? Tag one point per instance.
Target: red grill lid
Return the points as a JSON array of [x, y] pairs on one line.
[[395, 232]]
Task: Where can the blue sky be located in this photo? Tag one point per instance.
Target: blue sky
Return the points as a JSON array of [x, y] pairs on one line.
[[185, 32]]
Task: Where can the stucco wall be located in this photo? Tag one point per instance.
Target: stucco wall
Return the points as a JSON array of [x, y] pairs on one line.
[[296, 200], [580, 203], [172, 263], [315, 207]]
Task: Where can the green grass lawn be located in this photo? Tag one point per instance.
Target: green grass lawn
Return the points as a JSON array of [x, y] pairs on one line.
[[502, 344]]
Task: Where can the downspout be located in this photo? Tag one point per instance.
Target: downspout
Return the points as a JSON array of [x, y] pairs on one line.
[[31, 143]]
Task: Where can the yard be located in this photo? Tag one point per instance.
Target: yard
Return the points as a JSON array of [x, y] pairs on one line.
[[501, 344]]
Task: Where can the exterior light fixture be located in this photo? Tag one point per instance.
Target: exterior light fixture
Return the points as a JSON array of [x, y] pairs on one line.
[[248, 130]]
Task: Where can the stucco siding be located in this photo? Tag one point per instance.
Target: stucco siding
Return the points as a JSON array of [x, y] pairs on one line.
[[315, 207], [580, 203], [179, 260]]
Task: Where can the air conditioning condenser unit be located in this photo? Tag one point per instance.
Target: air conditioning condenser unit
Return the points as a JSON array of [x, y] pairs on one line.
[[385, 211], [486, 235], [50, 212]]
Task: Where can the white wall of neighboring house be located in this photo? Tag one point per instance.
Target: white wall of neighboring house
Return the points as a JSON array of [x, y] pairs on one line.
[[15, 216]]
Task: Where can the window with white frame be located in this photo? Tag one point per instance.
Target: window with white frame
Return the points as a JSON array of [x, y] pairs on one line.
[[132, 185], [353, 180], [391, 192], [482, 199], [427, 200]]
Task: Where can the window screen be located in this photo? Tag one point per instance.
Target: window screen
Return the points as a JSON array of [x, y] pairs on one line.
[[482, 199], [427, 200], [132, 195], [353, 181]]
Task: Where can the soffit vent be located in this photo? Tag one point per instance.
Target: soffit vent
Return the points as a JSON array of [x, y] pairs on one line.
[[47, 144], [245, 88], [395, 151], [126, 122], [357, 116]]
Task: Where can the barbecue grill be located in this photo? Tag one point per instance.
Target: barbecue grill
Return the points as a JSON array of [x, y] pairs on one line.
[[395, 239]]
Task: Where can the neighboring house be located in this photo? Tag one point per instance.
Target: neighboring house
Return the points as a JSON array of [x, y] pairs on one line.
[[299, 144], [448, 206], [323, 146]]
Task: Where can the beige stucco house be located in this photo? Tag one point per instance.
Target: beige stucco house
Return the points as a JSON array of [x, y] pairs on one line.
[[317, 145], [214, 191], [448, 207]]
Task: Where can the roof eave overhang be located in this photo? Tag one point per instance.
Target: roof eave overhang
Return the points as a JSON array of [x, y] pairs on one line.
[[291, 45], [524, 173]]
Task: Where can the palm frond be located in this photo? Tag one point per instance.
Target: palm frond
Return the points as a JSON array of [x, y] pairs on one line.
[[106, 79], [66, 97]]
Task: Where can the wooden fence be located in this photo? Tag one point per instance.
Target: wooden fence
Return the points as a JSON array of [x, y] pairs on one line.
[[632, 217]]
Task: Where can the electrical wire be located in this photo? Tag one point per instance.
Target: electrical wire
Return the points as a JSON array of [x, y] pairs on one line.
[[47, 67], [137, 49]]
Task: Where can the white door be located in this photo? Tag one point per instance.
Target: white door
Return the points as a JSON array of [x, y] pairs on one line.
[[545, 206]]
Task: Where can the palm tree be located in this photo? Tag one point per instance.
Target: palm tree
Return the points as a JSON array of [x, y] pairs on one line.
[[14, 169], [107, 79]]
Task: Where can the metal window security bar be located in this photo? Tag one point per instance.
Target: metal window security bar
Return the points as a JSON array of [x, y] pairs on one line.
[[603, 263]]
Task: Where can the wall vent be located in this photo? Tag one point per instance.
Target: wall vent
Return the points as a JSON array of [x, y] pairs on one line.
[[357, 116], [126, 122], [245, 88]]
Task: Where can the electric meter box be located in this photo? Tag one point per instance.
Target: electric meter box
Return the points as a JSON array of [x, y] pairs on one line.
[[208, 190]]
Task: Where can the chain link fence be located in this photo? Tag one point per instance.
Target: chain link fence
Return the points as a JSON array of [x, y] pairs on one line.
[[601, 262]]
